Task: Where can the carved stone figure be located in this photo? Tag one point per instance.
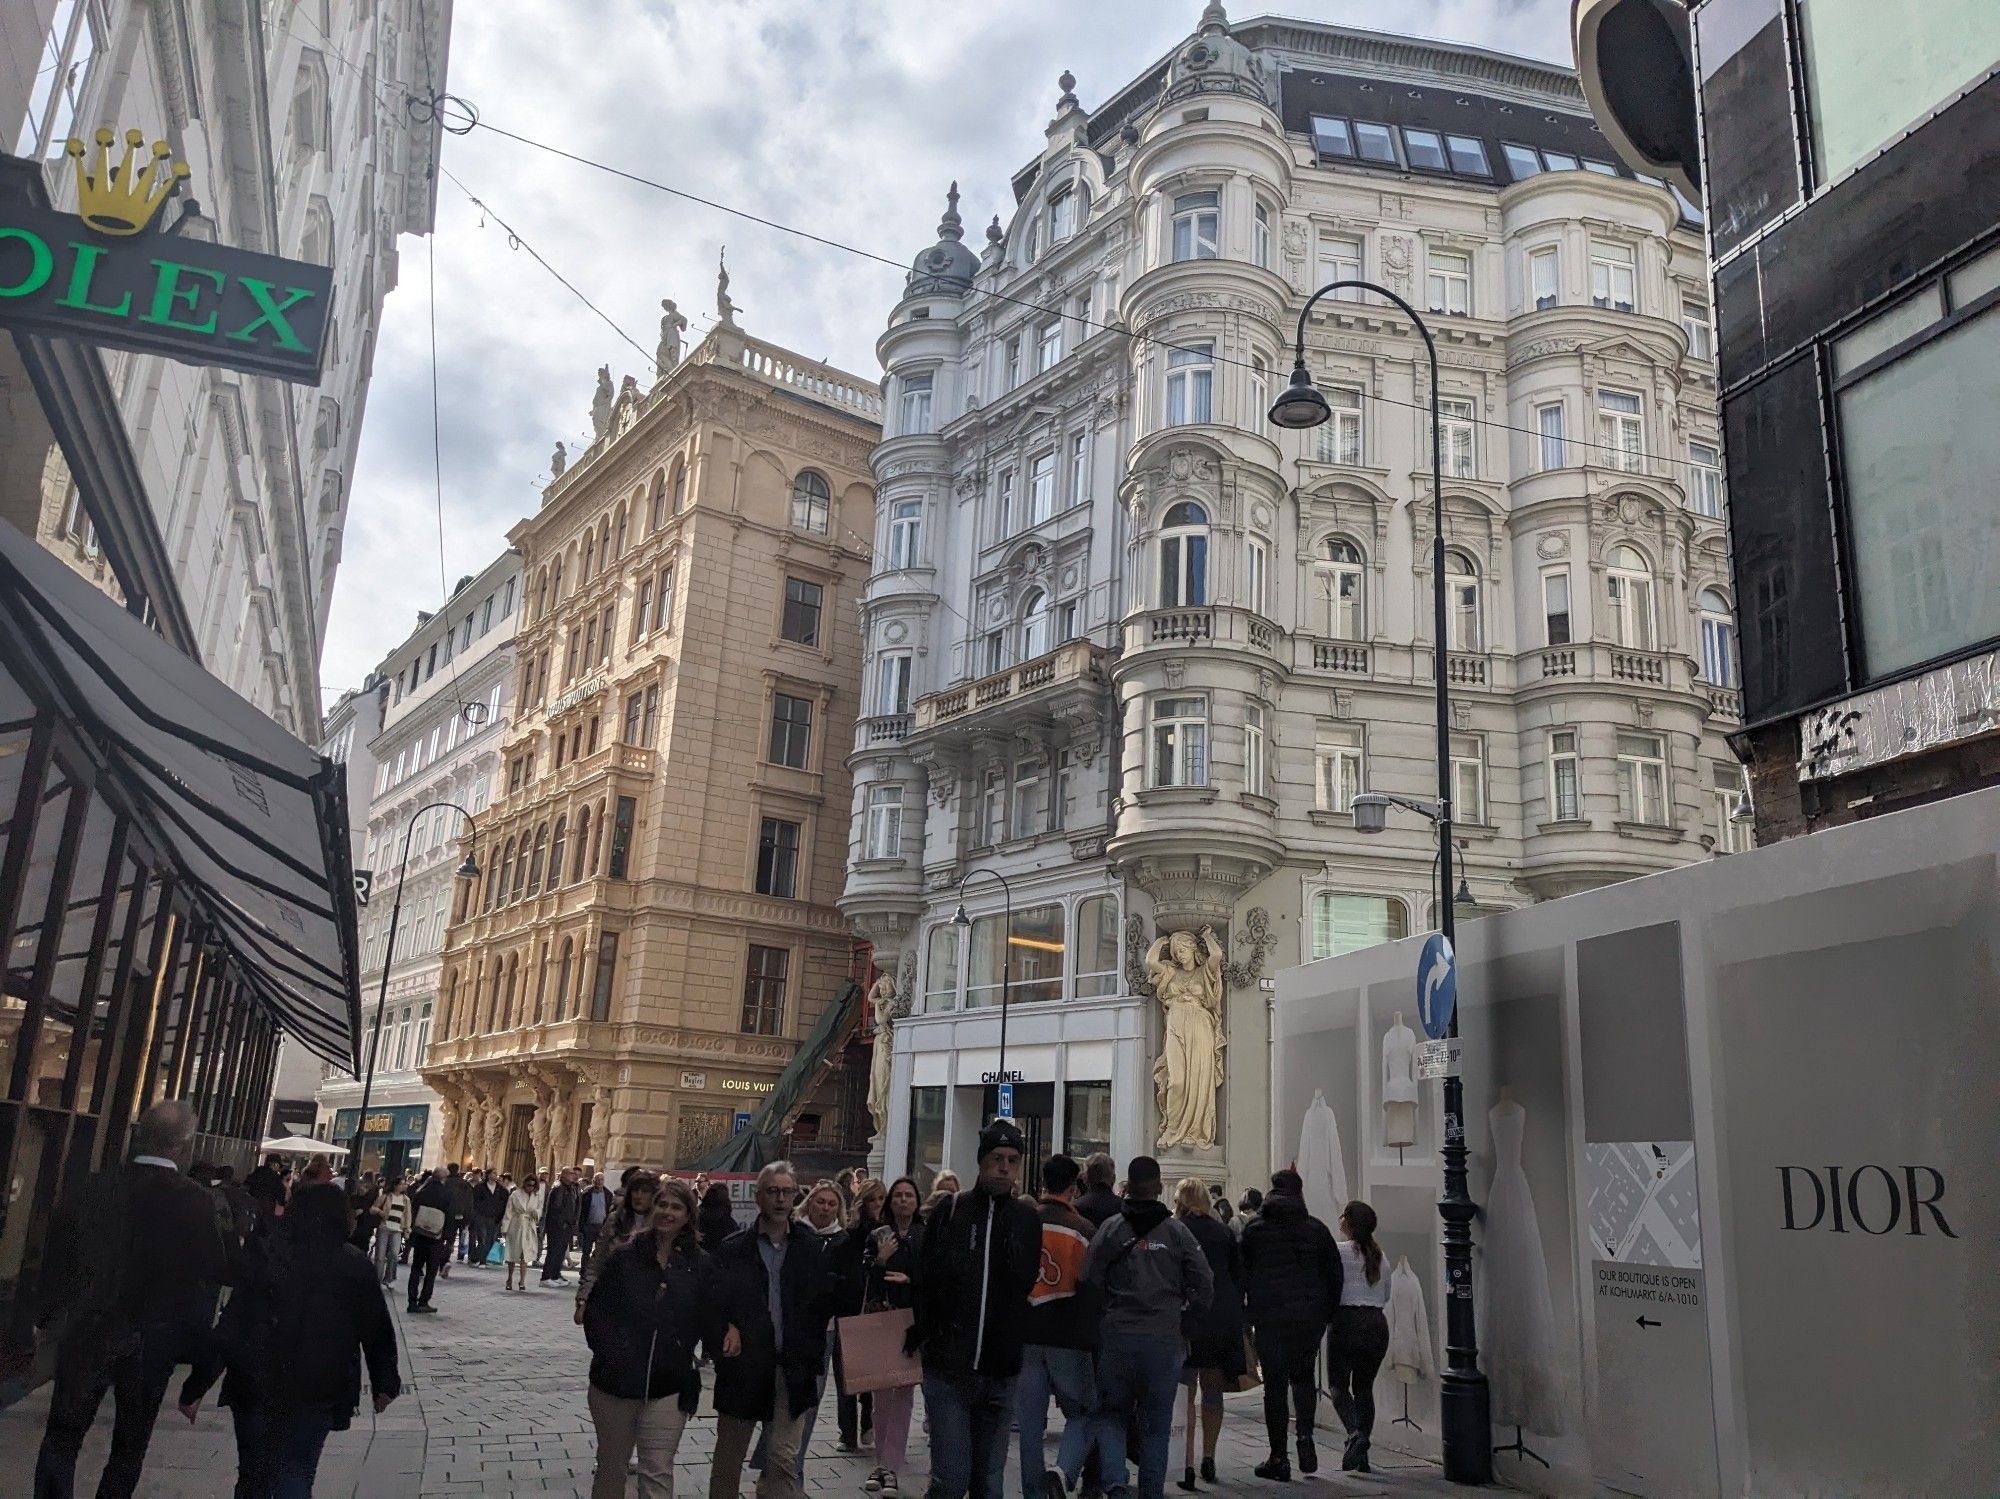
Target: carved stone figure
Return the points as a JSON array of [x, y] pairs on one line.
[[628, 390], [725, 307], [600, 403], [672, 326], [882, 1000], [1186, 973], [558, 461]]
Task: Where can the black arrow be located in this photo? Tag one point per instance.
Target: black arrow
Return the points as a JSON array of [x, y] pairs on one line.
[[1644, 1322]]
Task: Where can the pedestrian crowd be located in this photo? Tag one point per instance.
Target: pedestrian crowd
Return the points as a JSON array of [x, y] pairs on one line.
[[1106, 1297]]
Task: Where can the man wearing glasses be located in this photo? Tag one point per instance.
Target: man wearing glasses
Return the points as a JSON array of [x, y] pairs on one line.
[[776, 1287]]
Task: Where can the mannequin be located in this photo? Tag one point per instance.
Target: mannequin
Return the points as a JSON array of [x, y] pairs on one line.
[[1519, 1339], [1409, 1334], [1321, 1161], [1399, 1085]]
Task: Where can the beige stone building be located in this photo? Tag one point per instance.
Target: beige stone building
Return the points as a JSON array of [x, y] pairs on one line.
[[653, 931]]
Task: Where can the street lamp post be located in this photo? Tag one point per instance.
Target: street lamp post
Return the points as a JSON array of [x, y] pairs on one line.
[[1465, 1407], [469, 870], [960, 919]]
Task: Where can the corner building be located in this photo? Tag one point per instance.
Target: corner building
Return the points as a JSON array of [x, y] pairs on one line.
[[653, 931], [1136, 650]]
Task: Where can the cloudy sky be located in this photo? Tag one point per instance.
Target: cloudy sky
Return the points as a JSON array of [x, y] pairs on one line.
[[844, 117]]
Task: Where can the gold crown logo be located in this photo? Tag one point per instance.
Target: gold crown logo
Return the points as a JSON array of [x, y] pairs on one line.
[[122, 200]]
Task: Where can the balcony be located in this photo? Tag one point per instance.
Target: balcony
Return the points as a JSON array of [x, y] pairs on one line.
[[1214, 625], [1723, 702], [1345, 658], [885, 728], [1056, 684], [1589, 661]]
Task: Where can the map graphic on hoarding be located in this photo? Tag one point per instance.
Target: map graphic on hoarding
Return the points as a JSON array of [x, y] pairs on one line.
[[1643, 1207]]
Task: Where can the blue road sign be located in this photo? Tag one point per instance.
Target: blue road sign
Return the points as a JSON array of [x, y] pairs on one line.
[[741, 1122], [1437, 985], [1006, 1101]]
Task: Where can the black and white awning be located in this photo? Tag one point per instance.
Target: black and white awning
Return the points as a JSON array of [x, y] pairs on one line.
[[254, 820]]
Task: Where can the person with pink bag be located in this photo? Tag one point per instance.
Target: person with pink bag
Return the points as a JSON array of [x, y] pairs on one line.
[[889, 1268]]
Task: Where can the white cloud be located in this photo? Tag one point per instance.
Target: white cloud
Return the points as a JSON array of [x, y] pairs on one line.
[[844, 117]]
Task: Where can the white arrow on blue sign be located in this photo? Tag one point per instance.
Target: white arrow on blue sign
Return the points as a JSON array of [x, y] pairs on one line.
[[1006, 1110], [1437, 985]]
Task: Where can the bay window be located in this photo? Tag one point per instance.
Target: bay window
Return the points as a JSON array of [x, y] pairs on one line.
[[1468, 779], [1179, 741], [1642, 779], [1253, 750], [1544, 278], [1029, 956], [1461, 588], [1629, 585], [1613, 276], [1184, 557], [1341, 578], [906, 521], [1337, 767], [1339, 438], [1621, 431], [1718, 639], [1565, 777], [1190, 384], [916, 410], [1041, 487], [884, 835], [1197, 226]]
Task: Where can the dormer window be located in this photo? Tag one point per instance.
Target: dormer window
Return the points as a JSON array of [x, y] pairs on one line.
[[1062, 215]]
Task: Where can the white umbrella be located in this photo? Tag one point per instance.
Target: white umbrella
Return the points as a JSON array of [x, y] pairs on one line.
[[301, 1145]]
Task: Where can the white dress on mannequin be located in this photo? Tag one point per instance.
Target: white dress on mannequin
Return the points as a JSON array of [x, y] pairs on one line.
[[1519, 1334], [1409, 1326], [1399, 1084], [1321, 1165]]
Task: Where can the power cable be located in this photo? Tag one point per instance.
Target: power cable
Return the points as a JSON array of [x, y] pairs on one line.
[[1201, 350]]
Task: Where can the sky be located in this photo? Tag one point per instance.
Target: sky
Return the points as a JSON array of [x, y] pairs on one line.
[[847, 118]]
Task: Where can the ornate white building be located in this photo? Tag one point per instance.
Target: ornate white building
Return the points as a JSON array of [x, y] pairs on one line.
[[446, 696], [1135, 650], [296, 123]]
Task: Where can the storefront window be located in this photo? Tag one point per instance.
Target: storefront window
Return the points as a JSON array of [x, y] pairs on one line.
[[1096, 947], [941, 970], [1086, 1119], [926, 1136], [1035, 949]]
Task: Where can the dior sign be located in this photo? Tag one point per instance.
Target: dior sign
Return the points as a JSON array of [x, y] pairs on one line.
[[1873, 1199]]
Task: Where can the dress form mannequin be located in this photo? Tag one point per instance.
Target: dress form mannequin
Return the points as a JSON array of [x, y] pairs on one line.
[[1399, 1084], [1321, 1162], [1518, 1327]]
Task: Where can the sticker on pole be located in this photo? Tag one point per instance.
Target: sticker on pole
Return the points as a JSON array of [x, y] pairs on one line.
[[1438, 1058], [1437, 985]]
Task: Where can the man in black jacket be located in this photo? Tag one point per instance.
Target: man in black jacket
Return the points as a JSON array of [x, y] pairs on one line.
[[489, 1204], [134, 1262], [1292, 1271], [982, 1252], [1099, 1202], [775, 1288], [559, 1226], [429, 1248], [458, 1215]]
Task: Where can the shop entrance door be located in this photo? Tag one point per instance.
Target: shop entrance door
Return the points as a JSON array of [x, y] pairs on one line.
[[1035, 1113]]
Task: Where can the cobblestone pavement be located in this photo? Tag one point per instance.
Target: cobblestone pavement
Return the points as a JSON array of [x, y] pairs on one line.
[[494, 1404]]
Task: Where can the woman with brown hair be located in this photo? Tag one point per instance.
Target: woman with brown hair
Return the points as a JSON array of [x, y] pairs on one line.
[[1214, 1334], [642, 1321]]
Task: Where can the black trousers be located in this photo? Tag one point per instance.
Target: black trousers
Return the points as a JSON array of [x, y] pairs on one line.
[[586, 1240], [425, 1257], [1288, 1354], [137, 1383], [1357, 1340], [857, 1416], [559, 1238]]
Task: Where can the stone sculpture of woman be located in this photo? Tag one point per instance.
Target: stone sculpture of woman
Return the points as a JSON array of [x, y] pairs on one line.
[[882, 999], [1186, 974], [600, 402], [672, 326]]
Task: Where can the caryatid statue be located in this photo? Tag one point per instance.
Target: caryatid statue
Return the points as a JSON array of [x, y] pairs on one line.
[[883, 1000], [672, 326], [1186, 974]]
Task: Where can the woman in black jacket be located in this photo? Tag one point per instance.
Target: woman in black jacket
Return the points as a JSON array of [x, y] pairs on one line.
[[1214, 1334], [1292, 1275], [645, 1313], [889, 1283], [856, 1412], [717, 1220], [307, 1306]]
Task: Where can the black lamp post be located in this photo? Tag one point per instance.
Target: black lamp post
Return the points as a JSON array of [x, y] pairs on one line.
[[469, 870], [1465, 1407], [960, 919]]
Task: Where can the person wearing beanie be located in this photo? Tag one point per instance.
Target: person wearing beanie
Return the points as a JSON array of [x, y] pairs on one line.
[[1148, 1268], [981, 1253]]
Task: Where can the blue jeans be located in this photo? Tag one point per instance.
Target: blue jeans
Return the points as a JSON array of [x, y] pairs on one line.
[[969, 1419], [297, 1438], [1070, 1375], [1137, 1377]]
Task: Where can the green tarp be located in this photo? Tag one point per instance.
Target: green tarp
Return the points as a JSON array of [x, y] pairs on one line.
[[760, 1144]]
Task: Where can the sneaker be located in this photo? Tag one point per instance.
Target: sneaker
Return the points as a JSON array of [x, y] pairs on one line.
[[1277, 1469], [847, 1447], [889, 1482], [424, 1308]]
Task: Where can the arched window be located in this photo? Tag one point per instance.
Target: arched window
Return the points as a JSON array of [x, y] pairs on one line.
[[589, 551], [582, 845], [556, 852], [1342, 574], [562, 979], [519, 886], [618, 537], [493, 996], [541, 984], [1184, 556], [604, 543], [680, 486], [597, 838], [1461, 596], [812, 503], [1629, 584], [658, 510], [535, 866], [1718, 639], [446, 1010], [508, 1018], [506, 869], [542, 594], [1034, 625]]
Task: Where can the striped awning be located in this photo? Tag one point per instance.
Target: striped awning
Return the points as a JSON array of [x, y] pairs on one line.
[[254, 821]]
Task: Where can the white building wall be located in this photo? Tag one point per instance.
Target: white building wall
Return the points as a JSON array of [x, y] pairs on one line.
[[1254, 861], [293, 121], [447, 693]]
